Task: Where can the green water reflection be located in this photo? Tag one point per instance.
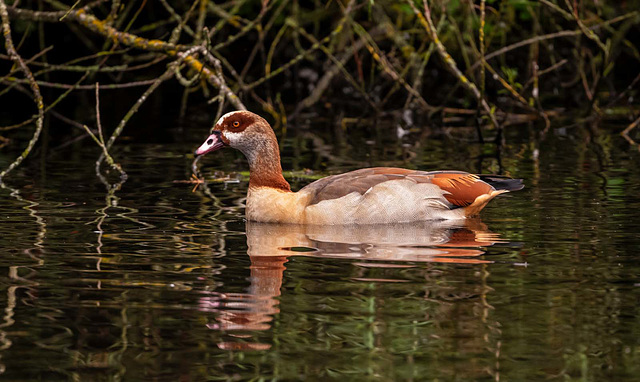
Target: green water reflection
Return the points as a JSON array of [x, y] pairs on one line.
[[154, 282]]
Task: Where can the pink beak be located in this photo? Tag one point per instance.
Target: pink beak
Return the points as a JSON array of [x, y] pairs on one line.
[[213, 143]]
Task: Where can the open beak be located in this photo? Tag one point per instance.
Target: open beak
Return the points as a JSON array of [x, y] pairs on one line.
[[214, 142]]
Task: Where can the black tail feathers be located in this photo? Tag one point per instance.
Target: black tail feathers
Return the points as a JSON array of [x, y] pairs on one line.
[[502, 182]]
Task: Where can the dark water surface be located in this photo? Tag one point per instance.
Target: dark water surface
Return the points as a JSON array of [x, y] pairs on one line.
[[155, 282]]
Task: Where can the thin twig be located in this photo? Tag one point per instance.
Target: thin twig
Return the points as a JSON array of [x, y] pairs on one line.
[[46, 84], [99, 139], [92, 23], [625, 132], [317, 45], [587, 32], [482, 47], [625, 91], [379, 56], [427, 23], [549, 36], [49, 106], [8, 43]]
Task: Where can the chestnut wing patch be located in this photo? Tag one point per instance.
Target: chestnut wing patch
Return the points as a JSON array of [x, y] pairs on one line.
[[462, 188]]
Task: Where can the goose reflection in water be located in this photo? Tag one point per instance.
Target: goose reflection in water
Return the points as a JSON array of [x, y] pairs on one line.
[[376, 246]]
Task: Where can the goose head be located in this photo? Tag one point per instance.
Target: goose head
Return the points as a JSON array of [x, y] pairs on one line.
[[241, 130], [254, 137]]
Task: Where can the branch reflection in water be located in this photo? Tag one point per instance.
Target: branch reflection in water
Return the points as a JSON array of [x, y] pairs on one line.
[[378, 246], [20, 276]]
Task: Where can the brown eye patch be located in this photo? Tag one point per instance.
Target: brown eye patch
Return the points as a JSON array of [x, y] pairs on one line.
[[238, 121]]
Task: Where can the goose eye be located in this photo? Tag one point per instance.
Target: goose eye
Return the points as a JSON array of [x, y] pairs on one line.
[[236, 124]]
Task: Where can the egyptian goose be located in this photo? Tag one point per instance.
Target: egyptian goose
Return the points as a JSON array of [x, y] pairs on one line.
[[367, 196]]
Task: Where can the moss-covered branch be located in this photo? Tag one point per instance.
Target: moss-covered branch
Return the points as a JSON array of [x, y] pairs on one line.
[[103, 28], [15, 57]]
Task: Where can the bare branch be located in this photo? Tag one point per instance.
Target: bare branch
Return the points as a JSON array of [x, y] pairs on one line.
[[8, 43], [427, 23]]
